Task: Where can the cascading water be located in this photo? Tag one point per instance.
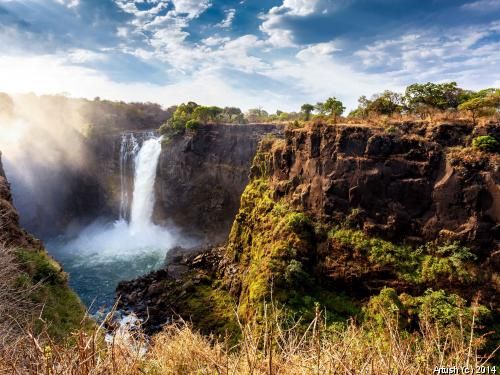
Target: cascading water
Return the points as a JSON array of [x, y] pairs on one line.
[[128, 150], [105, 253], [143, 199]]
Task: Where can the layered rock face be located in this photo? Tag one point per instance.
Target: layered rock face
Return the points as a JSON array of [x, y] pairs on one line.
[[201, 177], [332, 214], [393, 186]]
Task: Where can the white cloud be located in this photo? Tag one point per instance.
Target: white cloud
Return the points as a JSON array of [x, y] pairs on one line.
[[272, 21], [193, 8], [482, 5], [80, 56], [49, 74], [212, 41], [274, 25], [228, 20], [69, 3], [462, 55], [319, 49]]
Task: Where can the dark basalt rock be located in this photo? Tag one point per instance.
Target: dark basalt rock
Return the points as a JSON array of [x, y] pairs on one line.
[[403, 187], [403, 183], [202, 175]]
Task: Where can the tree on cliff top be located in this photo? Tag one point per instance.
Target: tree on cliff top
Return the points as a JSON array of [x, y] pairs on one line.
[[306, 109], [421, 98], [333, 107]]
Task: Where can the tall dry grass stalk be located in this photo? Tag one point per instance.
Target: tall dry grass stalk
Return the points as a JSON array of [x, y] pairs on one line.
[[16, 308], [273, 345]]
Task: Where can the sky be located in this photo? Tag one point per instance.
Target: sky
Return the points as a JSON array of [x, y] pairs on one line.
[[275, 54]]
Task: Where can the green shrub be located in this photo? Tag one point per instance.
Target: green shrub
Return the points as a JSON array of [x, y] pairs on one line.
[[443, 308], [192, 125], [485, 143], [299, 222], [41, 267], [446, 262], [386, 306], [295, 274]]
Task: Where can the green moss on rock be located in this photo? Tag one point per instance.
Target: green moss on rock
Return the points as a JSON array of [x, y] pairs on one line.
[[62, 311]]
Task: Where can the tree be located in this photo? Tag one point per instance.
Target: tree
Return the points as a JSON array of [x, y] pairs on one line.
[[334, 108], [202, 113], [420, 98], [474, 106], [232, 115], [306, 109], [214, 113], [320, 108], [257, 114], [386, 103]]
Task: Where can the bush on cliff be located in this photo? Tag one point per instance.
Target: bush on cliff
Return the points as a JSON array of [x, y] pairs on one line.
[[485, 143], [447, 262]]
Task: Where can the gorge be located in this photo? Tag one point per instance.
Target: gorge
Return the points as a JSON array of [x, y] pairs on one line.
[[155, 196]]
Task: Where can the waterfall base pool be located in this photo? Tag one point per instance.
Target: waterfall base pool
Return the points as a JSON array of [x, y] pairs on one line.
[[104, 253]]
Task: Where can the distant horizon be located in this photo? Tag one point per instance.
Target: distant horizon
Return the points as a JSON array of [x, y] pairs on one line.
[[277, 54]]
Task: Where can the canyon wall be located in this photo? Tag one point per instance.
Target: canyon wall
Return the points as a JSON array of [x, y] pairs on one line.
[[405, 186], [201, 177], [334, 214]]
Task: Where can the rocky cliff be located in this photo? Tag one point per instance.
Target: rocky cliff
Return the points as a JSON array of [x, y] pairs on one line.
[[201, 177], [333, 214], [11, 233], [40, 283], [394, 186]]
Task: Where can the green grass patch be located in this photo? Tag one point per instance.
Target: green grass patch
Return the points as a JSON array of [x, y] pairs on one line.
[[62, 311]]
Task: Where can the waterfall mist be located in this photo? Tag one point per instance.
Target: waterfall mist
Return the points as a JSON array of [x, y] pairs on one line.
[[105, 253]]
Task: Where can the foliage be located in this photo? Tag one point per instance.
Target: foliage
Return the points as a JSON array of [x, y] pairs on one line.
[[192, 125], [426, 264], [387, 103], [434, 307], [485, 143], [441, 96], [331, 107], [256, 115], [207, 114], [475, 105], [307, 109]]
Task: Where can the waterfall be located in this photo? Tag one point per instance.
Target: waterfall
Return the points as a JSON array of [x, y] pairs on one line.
[[143, 198], [128, 150], [130, 146]]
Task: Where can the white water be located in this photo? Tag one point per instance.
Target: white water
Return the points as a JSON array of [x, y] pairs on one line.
[[128, 150], [107, 242], [105, 253], [143, 199]]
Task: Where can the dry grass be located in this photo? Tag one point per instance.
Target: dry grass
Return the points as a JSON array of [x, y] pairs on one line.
[[16, 308], [271, 347]]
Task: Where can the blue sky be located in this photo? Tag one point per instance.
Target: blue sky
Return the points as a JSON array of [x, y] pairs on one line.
[[277, 54]]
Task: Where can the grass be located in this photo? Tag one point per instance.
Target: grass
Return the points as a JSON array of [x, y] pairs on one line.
[[60, 308], [274, 346]]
